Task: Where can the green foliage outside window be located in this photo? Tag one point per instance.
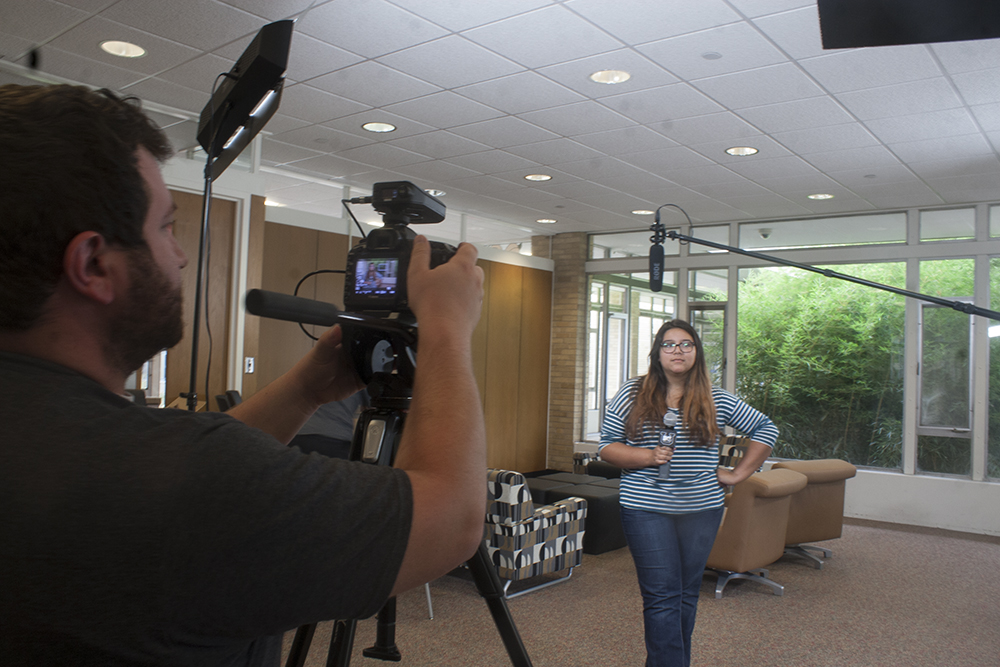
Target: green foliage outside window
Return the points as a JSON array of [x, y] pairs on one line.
[[823, 358]]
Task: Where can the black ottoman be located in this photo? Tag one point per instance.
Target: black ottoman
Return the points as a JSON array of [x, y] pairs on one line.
[[609, 483], [540, 489], [604, 516], [571, 478]]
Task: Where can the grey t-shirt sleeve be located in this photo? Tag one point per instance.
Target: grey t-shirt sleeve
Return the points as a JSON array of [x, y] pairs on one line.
[[280, 538]]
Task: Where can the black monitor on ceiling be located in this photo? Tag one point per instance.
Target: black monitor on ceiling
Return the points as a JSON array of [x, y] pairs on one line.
[[848, 24]]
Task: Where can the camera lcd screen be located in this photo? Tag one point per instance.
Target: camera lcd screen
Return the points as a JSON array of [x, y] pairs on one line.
[[376, 276]]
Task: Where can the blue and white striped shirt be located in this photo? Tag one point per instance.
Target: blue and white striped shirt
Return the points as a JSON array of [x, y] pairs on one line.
[[692, 485]]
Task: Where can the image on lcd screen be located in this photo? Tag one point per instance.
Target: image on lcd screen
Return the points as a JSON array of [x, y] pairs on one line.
[[375, 276]]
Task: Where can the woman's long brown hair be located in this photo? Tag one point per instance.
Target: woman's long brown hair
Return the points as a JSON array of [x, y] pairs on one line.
[[697, 406]]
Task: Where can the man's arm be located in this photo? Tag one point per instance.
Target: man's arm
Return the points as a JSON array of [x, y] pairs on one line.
[[443, 449], [323, 375]]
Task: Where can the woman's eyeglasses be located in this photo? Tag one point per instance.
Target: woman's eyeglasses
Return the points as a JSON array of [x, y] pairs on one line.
[[684, 346]]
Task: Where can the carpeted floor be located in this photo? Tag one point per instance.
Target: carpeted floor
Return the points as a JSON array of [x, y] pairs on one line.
[[890, 596]]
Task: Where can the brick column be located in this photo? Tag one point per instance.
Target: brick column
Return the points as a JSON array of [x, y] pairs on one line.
[[569, 329]]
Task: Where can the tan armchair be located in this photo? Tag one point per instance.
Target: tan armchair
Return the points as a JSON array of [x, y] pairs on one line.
[[817, 511], [752, 533]]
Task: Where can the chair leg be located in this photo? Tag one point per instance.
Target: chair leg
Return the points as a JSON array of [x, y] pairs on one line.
[[759, 575], [430, 607], [538, 587], [805, 550]]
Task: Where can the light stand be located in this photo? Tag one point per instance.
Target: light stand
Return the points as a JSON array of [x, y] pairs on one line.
[[240, 107]]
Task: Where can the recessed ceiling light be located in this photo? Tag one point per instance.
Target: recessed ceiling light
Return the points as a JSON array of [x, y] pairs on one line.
[[610, 76], [821, 196], [436, 193], [379, 127], [711, 55], [546, 221], [642, 211], [123, 49], [742, 151], [271, 202], [538, 177]]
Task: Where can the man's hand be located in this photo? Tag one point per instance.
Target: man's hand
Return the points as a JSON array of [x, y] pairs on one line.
[[327, 371], [447, 299]]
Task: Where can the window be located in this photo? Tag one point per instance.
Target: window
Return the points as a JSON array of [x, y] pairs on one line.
[[823, 358]]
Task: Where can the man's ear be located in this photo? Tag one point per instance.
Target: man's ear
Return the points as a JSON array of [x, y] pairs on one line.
[[91, 267]]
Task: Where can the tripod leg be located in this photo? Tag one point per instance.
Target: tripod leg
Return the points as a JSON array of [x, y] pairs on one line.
[[488, 583], [341, 644], [385, 635], [300, 646]]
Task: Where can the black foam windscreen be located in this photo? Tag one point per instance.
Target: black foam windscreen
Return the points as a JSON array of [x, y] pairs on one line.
[[857, 23], [656, 267], [289, 308]]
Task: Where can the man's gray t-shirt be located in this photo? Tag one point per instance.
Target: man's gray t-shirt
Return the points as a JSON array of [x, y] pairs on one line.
[[133, 535]]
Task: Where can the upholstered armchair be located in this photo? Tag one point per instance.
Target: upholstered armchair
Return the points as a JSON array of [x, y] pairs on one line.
[[817, 511], [525, 541], [752, 534]]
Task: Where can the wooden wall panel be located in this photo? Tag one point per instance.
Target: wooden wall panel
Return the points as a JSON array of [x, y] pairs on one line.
[[289, 254], [533, 372], [502, 364], [187, 230], [255, 260], [480, 335]]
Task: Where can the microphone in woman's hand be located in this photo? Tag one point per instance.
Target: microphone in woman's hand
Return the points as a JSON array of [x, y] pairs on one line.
[[667, 439]]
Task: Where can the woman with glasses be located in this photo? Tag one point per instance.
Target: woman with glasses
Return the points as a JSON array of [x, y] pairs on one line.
[[671, 513]]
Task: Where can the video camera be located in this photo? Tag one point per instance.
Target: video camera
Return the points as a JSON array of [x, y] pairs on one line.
[[375, 281]]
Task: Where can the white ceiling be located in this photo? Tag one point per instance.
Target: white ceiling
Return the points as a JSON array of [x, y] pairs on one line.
[[484, 92]]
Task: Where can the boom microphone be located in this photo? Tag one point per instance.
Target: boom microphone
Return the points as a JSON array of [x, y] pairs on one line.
[[656, 267], [279, 306]]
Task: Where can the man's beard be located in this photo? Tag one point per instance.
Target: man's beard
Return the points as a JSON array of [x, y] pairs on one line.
[[149, 317]]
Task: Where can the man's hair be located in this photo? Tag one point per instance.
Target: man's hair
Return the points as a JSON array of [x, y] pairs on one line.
[[68, 164]]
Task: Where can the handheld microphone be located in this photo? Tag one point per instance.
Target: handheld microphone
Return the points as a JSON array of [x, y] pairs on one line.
[[668, 438]]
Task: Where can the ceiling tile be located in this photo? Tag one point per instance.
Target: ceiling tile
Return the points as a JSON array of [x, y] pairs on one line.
[[936, 149], [902, 99], [578, 118], [443, 110], [279, 152], [77, 68], [627, 140], [203, 24], [316, 106], [868, 157], [309, 57], [831, 137], [979, 87], [439, 144], [755, 8], [461, 15], [493, 162], [320, 138], [760, 169], [968, 56], [934, 124], [371, 28], [167, 93], [373, 84], [519, 93], [723, 126], [667, 159], [767, 85], [730, 48], [383, 155], [436, 172], [273, 10], [543, 37], [856, 69], [451, 62], [504, 132], [660, 106], [795, 32], [796, 114], [161, 54], [575, 74], [554, 151], [38, 20], [658, 19], [950, 168]]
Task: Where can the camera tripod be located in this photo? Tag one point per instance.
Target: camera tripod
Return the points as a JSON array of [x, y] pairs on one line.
[[375, 441]]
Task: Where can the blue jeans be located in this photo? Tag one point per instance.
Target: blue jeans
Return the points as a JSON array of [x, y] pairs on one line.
[[670, 552]]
